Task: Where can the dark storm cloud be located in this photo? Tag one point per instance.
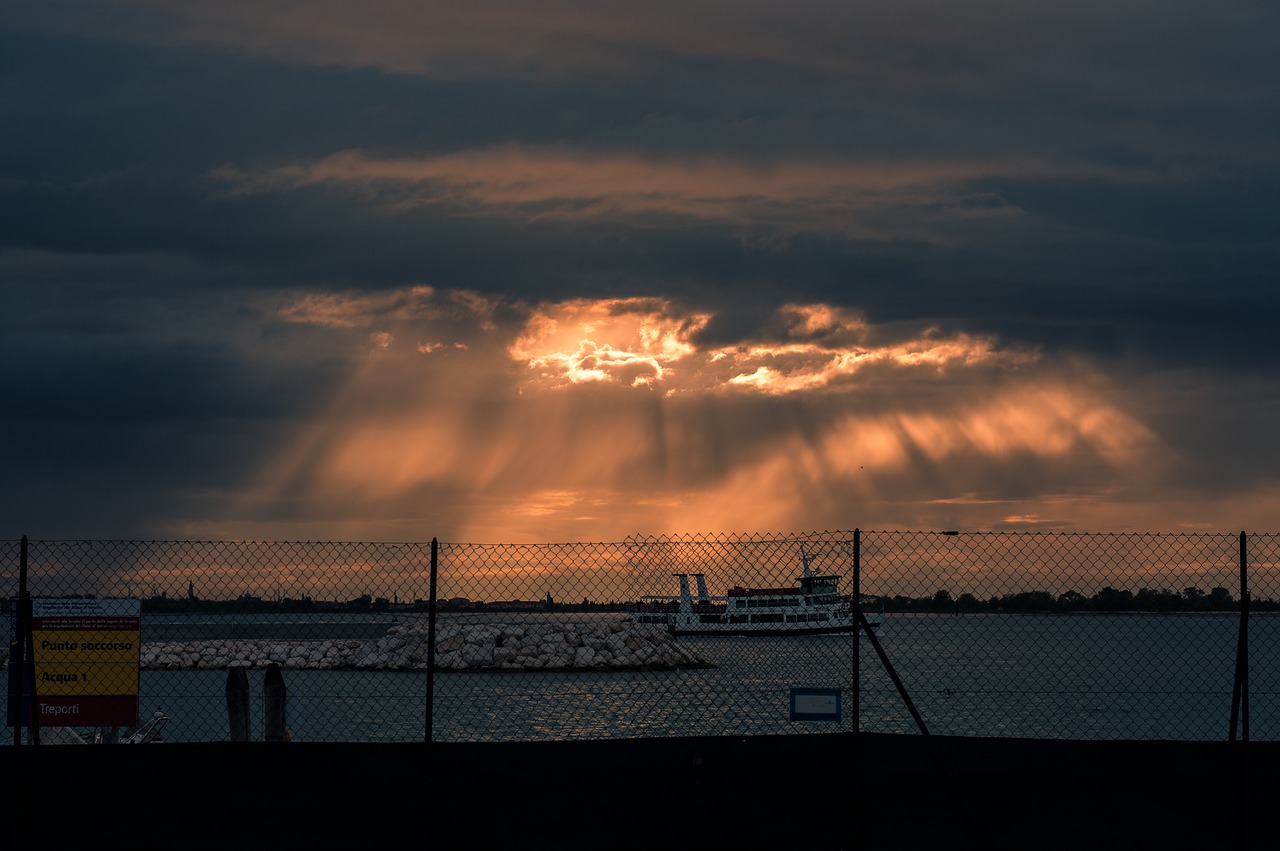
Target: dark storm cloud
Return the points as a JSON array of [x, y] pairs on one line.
[[1093, 182], [111, 127]]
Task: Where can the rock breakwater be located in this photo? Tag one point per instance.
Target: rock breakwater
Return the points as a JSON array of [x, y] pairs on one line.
[[459, 647]]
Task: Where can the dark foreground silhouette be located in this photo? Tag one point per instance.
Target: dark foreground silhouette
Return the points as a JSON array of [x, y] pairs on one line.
[[815, 792]]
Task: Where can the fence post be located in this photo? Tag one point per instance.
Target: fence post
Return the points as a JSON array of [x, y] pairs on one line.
[[1244, 638], [273, 705], [1240, 700], [1240, 690], [856, 685], [24, 703], [238, 704], [856, 688], [17, 678], [431, 641]]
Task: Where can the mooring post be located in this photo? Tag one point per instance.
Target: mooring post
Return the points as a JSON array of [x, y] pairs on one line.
[[274, 700], [238, 704]]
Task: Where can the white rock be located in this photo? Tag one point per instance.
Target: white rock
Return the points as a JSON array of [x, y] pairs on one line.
[[535, 646]]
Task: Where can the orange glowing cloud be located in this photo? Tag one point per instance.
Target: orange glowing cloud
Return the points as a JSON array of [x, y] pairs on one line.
[[640, 340], [540, 182], [637, 342]]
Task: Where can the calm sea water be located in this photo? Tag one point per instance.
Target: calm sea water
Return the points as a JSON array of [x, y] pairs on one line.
[[1042, 676]]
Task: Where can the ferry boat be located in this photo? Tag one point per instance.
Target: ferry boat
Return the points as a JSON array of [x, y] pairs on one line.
[[813, 606]]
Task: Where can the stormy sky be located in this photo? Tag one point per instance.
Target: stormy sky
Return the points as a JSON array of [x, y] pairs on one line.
[[574, 271]]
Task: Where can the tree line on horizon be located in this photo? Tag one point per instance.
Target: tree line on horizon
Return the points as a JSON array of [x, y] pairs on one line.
[[1107, 599], [365, 603]]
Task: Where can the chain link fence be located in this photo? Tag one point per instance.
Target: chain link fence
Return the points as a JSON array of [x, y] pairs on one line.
[[1080, 636], [1046, 635]]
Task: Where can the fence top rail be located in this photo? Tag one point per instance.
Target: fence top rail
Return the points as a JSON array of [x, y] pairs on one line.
[[691, 537]]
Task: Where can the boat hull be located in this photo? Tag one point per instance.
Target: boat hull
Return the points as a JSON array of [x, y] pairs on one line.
[[737, 630], [680, 624]]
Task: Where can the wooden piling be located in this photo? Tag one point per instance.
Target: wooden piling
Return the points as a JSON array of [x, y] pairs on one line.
[[238, 704], [274, 727]]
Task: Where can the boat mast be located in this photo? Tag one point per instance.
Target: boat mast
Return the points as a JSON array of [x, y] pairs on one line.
[[805, 558]]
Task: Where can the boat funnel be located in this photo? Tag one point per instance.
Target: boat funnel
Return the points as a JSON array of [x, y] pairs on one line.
[[686, 598], [703, 596]]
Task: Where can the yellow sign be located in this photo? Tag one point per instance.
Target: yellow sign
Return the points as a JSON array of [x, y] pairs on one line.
[[76, 678], [87, 654], [99, 647]]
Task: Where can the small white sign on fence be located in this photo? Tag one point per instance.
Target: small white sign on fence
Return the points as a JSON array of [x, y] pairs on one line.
[[815, 704]]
